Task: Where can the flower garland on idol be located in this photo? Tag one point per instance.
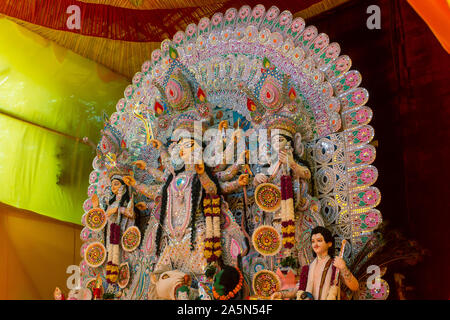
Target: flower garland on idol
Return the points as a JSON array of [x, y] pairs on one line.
[[211, 210], [231, 294], [112, 267], [287, 212]]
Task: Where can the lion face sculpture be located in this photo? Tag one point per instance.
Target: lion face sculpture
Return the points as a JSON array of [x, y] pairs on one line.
[[167, 283]]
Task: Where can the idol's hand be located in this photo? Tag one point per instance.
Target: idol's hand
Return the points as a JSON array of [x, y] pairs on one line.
[[243, 180], [244, 156], [260, 178], [223, 125], [286, 157], [95, 201], [140, 164], [168, 164], [306, 174], [339, 263], [141, 205], [129, 181], [282, 157], [172, 170], [121, 191], [200, 168], [276, 296], [156, 143], [111, 211]]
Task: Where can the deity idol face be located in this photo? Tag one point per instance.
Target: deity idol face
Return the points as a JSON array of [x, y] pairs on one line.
[[319, 245], [115, 185], [279, 142], [187, 147]]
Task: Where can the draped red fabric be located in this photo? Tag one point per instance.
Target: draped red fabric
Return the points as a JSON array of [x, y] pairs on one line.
[[122, 23], [405, 69]]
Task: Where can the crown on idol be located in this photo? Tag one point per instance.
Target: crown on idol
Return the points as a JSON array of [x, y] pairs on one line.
[[275, 103], [192, 123], [118, 172], [112, 140], [181, 100], [177, 89]]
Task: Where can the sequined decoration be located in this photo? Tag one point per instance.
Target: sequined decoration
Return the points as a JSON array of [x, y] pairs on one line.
[[95, 219], [124, 275], [131, 239], [268, 197], [95, 254], [380, 292], [90, 285], [265, 283], [266, 240]]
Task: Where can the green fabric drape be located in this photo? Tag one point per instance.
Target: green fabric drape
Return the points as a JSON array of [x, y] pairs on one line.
[[50, 97]]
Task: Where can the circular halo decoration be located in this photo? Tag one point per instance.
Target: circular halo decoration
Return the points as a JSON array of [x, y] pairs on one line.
[[266, 240], [95, 254], [95, 219], [268, 197], [265, 283], [131, 239]]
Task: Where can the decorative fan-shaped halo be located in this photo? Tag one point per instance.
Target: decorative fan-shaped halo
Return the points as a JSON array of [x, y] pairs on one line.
[[131, 239], [234, 58]]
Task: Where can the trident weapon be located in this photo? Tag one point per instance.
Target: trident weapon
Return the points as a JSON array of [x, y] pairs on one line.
[[147, 125]]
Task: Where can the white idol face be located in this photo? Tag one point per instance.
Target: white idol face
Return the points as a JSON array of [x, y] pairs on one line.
[[279, 143], [187, 147], [115, 186], [319, 245]]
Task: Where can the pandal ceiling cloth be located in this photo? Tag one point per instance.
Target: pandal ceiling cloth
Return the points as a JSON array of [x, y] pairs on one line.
[[120, 34]]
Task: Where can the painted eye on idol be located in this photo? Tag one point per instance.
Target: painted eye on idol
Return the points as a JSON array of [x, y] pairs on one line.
[[188, 144], [116, 183]]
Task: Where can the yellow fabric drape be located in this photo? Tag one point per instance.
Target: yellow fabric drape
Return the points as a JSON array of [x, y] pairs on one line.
[[50, 98], [35, 252]]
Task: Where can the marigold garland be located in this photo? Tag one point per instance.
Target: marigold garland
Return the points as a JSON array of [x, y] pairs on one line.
[[233, 292], [287, 212], [112, 267], [211, 210]]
